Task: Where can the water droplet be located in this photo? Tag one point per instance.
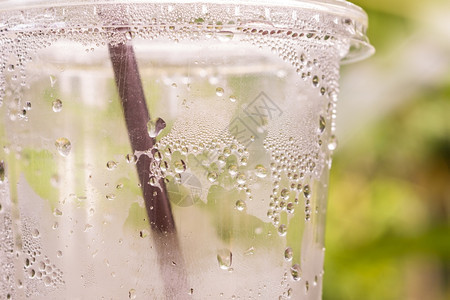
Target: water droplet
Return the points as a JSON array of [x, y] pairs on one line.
[[219, 91], [240, 205], [164, 166], [332, 145], [47, 281], [322, 124], [132, 294], [212, 176], [111, 165], [288, 254], [233, 98], [131, 158], [35, 233], [315, 80], [241, 178], [226, 152], [110, 196], [57, 105], [63, 146], [155, 127], [128, 35], [290, 207], [225, 36], [289, 293], [52, 80], [153, 181], [59, 253], [307, 191], [282, 230], [174, 85], [168, 151], [260, 171], [2, 171], [285, 194], [232, 169], [296, 272], [250, 251], [224, 258], [180, 166], [144, 233], [191, 291]]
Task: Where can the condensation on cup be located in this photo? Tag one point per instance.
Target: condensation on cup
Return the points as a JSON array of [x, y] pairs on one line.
[[168, 150]]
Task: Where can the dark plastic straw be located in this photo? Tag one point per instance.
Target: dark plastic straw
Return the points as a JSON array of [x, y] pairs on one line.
[[156, 199]]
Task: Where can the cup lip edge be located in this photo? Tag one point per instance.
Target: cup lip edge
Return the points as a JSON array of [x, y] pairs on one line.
[[360, 46], [338, 7]]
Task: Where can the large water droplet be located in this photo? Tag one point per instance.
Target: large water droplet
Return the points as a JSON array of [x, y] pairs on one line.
[[296, 272], [212, 176], [290, 207], [224, 258], [35, 233], [322, 124], [288, 254], [153, 181], [219, 91], [241, 178], [240, 205], [157, 155], [285, 194], [2, 171], [63, 146], [332, 145], [315, 80], [131, 158], [282, 230], [155, 127], [132, 294], [260, 171], [111, 165], [233, 98], [232, 169], [57, 105], [180, 166], [307, 191]]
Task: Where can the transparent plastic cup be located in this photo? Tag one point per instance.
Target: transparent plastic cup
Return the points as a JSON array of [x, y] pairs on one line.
[[168, 150]]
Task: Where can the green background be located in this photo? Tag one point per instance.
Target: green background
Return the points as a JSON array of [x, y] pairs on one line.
[[387, 234]]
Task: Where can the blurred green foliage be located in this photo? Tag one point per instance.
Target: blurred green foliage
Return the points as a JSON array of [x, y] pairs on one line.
[[388, 226]]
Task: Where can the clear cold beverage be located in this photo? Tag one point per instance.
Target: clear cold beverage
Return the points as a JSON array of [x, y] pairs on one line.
[[242, 114]]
